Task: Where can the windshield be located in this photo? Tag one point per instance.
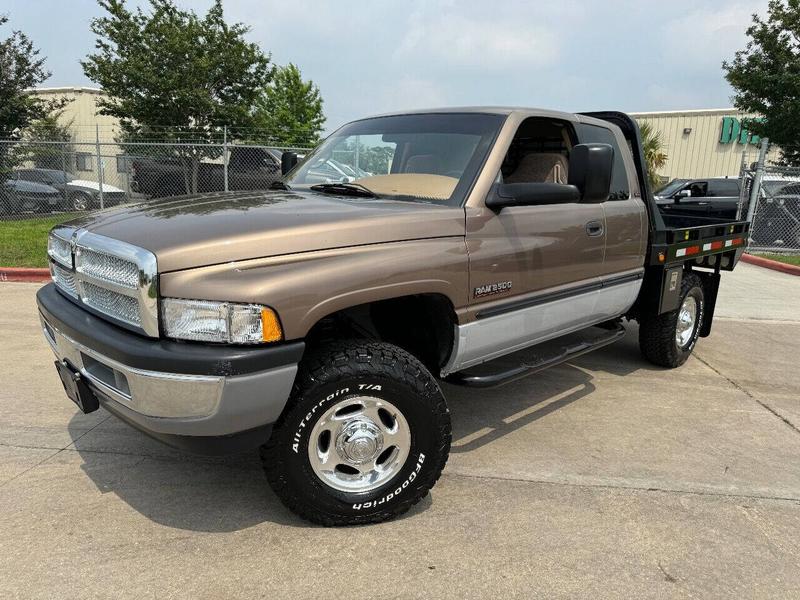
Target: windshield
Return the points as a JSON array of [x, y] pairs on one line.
[[672, 187], [424, 157]]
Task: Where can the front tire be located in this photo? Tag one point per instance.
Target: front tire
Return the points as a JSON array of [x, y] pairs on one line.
[[364, 437], [668, 339]]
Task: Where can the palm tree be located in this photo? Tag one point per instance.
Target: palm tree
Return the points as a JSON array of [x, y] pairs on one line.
[[654, 155]]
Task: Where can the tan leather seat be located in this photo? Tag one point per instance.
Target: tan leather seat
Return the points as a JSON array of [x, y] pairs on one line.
[[545, 167]]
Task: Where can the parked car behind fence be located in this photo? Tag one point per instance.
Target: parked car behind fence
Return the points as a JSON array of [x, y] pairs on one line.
[[18, 196], [128, 171], [248, 168], [77, 194]]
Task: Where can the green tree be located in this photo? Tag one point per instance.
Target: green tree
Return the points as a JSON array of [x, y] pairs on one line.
[[290, 109], [765, 76], [176, 76], [21, 68], [654, 155], [48, 142]]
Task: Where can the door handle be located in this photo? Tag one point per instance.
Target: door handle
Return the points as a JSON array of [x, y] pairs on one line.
[[594, 228]]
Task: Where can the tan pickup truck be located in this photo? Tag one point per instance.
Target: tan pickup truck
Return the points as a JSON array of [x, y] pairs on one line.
[[314, 320]]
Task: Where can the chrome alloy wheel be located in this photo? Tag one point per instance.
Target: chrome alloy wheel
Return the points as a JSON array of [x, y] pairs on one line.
[[687, 316], [359, 444]]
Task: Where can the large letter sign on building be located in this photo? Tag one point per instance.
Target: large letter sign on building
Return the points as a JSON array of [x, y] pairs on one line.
[[732, 130]]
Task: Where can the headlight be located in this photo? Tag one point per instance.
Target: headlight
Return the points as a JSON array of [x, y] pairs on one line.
[[225, 322]]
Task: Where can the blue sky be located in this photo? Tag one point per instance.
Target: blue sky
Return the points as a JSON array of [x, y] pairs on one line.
[[377, 56]]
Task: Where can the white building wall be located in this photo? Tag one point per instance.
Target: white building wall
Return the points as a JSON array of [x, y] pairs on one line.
[[82, 115], [700, 152]]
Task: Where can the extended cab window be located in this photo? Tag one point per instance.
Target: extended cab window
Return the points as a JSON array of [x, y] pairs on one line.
[[593, 134]]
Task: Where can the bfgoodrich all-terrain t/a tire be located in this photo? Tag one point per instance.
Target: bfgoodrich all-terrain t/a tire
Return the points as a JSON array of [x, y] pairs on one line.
[[364, 437], [668, 339]]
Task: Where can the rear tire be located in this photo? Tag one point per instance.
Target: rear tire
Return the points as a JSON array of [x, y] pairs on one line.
[[364, 437], [668, 339]]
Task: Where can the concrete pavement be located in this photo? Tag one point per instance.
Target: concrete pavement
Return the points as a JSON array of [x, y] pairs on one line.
[[605, 477]]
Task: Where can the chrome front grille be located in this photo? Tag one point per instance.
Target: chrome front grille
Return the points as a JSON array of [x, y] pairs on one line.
[[63, 278], [111, 278], [124, 308], [107, 268]]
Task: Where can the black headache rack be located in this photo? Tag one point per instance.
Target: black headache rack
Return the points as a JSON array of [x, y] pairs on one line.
[[678, 242]]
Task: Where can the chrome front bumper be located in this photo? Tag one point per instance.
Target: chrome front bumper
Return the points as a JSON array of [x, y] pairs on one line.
[[173, 403]]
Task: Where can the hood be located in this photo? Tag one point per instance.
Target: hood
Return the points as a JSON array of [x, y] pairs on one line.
[[194, 231], [93, 185], [31, 187]]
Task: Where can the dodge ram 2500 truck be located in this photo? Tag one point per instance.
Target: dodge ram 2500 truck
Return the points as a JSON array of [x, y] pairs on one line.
[[314, 320]]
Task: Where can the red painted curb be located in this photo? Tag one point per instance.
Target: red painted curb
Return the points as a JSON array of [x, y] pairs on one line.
[[20, 274], [775, 265]]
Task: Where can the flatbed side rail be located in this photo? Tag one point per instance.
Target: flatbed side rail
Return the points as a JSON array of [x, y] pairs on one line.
[[685, 243]]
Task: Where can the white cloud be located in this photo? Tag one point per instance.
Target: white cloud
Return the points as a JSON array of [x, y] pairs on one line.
[[703, 38], [412, 92], [450, 38], [376, 56]]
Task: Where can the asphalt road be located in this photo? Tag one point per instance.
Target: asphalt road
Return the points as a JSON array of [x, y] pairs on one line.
[[606, 477]]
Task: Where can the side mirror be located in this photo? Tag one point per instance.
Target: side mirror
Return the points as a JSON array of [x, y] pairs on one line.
[[288, 161], [683, 194], [590, 167], [531, 194]]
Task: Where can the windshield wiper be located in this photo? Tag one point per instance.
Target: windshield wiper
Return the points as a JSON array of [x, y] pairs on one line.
[[344, 188]]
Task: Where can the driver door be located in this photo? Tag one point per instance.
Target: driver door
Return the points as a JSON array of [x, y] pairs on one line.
[[534, 270]]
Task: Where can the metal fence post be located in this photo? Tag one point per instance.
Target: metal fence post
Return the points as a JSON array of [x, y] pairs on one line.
[[755, 191], [99, 164], [742, 185], [225, 156]]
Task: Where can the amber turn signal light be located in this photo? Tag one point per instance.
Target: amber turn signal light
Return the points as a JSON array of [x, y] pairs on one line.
[[270, 326]]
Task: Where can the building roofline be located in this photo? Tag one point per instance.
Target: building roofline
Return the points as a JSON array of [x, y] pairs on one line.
[[65, 89], [687, 111]]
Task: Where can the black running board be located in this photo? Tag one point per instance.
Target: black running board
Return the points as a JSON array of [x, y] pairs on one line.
[[560, 353]]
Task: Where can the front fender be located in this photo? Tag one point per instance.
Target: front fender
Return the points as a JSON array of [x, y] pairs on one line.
[[305, 287]]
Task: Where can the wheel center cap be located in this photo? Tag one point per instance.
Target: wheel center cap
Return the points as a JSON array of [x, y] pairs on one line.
[[359, 441]]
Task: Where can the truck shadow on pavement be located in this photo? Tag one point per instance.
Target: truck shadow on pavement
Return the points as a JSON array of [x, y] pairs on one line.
[[180, 490], [481, 416], [225, 494]]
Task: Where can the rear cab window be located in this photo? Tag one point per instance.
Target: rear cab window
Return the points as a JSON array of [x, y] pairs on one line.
[[621, 187]]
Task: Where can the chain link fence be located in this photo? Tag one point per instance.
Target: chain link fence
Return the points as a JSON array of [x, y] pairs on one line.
[[771, 197], [48, 178]]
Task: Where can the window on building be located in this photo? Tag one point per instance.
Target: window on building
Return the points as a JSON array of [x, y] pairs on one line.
[[123, 163], [84, 162]]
